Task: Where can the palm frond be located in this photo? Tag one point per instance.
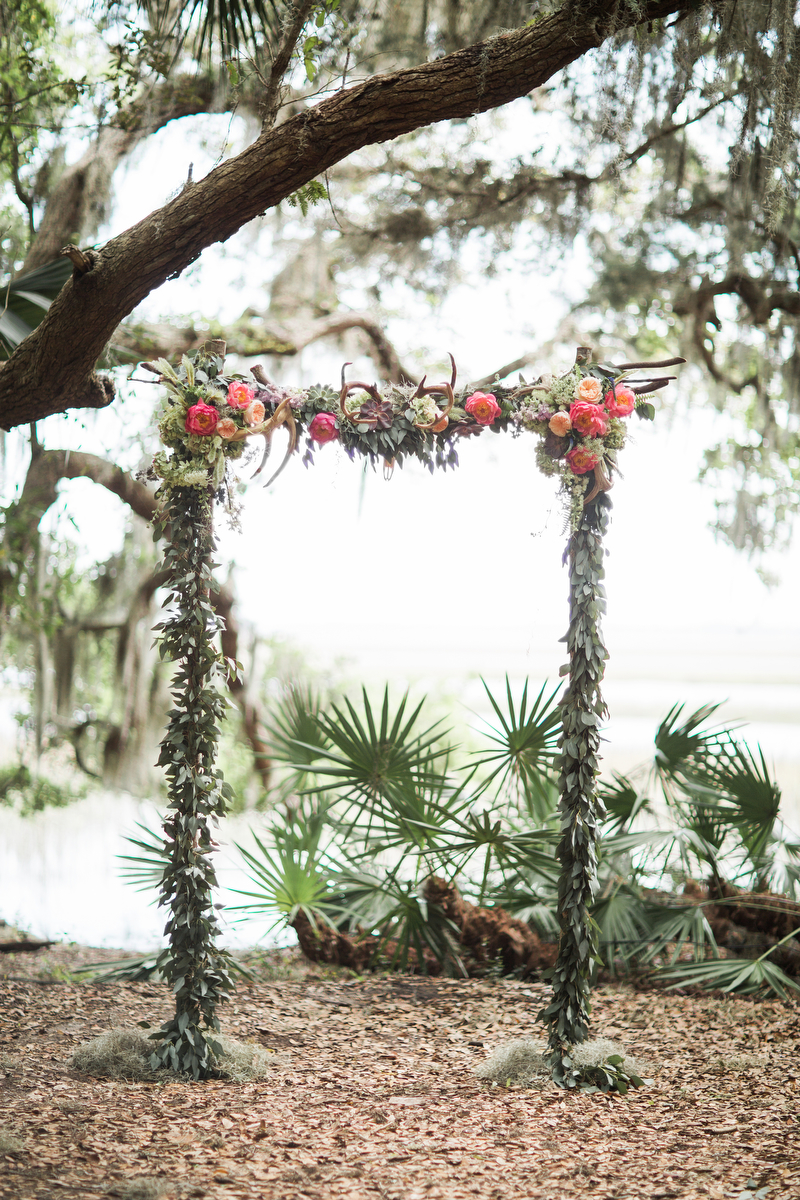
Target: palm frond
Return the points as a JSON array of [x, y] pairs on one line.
[[231, 23], [678, 924], [746, 798], [404, 922], [286, 880], [623, 801], [743, 976], [386, 757], [24, 302], [145, 869], [621, 918], [295, 734], [526, 744]]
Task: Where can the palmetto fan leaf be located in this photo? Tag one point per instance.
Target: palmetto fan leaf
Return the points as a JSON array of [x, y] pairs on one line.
[[232, 23], [676, 925], [286, 880], [745, 976], [678, 744], [372, 760], [622, 801], [24, 302], [621, 918], [733, 789], [525, 747], [295, 734], [145, 869], [396, 911]]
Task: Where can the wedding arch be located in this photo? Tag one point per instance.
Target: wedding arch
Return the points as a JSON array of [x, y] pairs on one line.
[[580, 419]]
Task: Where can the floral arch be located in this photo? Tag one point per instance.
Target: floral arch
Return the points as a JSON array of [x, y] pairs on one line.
[[581, 422]]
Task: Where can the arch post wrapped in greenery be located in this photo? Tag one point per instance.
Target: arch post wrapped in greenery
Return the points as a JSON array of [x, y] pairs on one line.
[[192, 964], [580, 808]]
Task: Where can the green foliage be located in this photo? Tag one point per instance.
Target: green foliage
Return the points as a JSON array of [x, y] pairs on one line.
[[197, 971], [747, 977], [311, 193], [580, 807], [526, 745], [34, 793], [395, 813], [26, 299], [291, 878], [34, 96]]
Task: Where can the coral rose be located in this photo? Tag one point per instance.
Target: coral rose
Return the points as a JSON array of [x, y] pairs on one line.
[[226, 428], [202, 419], [581, 460], [483, 407], [620, 402], [589, 419], [441, 423], [560, 424], [254, 414], [588, 389], [324, 428], [239, 394]]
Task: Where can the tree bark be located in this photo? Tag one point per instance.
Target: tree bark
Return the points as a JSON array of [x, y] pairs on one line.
[[53, 369]]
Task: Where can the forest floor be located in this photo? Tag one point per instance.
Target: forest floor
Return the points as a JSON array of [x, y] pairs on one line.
[[373, 1096]]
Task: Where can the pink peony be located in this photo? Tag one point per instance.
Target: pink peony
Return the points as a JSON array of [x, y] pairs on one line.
[[254, 413], [202, 419], [581, 460], [588, 389], [323, 428], [226, 428], [621, 405], [484, 408], [560, 424], [239, 394], [589, 419]]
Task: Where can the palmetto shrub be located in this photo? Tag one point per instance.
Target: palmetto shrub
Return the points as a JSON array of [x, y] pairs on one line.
[[383, 804]]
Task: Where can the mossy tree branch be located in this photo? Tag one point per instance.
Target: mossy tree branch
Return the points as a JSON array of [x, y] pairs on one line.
[[53, 369]]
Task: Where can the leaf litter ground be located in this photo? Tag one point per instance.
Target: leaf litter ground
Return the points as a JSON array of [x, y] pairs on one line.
[[371, 1095]]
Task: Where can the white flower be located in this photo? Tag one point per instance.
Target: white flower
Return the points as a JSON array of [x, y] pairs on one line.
[[424, 410]]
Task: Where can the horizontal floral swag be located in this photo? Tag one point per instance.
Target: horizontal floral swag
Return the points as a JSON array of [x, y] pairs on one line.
[[580, 417]]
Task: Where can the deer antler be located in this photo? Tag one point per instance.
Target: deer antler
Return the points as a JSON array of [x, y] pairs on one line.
[[371, 388], [283, 415], [601, 484], [438, 389]]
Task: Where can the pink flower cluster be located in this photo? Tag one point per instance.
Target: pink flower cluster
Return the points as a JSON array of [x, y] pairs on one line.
[[589, 417], [204, 420]]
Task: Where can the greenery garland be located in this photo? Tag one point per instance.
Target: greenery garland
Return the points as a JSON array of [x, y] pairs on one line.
[[581, 810], [580, 418], [196, 969]]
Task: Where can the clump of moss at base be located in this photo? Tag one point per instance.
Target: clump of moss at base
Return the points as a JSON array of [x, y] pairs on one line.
[[125, 1054]]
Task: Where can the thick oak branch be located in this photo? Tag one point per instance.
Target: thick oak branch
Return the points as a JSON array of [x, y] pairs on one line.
[[53, 369]]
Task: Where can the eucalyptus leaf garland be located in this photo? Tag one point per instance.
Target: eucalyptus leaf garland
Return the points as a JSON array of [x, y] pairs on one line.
[[195, 968], [581, 810]]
